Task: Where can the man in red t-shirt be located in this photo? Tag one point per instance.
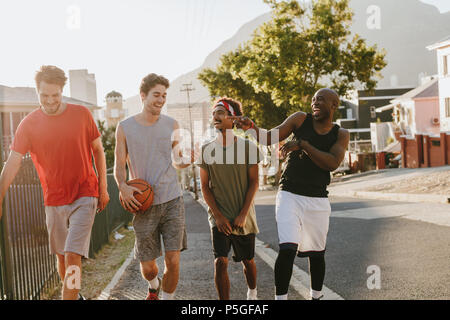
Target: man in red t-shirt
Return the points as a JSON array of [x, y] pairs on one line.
[[61, 139]]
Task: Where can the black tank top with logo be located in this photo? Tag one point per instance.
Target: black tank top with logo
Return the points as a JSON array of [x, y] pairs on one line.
[[301, 175]]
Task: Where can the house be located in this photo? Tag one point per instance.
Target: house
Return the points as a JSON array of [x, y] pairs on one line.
[[414, 112], [83, 86], [417, 111], [443, 61], [133, 105], [16, 103], [359, 114], [431, 149], [115, 111], [368, 102]]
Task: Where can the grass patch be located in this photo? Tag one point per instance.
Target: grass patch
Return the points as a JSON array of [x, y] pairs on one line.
[[98, 272]]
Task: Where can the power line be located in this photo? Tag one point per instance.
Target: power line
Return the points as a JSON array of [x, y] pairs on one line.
[[212, 11], [202, 21], [194, 21], [186, 29]]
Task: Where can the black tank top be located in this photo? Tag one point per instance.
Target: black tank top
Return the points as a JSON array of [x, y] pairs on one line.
[[301, 175]]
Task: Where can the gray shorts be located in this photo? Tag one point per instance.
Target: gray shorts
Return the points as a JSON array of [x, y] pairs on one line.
[[69, 227], [166, 220]]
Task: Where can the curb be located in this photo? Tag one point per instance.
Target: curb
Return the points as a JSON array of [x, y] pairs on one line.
[[402, 197], [106, 293], [356, 175]]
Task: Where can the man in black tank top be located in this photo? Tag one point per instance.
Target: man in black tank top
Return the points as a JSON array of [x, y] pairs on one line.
[[303, 209]]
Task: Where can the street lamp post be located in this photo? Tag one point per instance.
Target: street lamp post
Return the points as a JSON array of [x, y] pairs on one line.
[[188, 89]]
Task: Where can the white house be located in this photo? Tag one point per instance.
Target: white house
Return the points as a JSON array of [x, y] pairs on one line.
[[443, 55]]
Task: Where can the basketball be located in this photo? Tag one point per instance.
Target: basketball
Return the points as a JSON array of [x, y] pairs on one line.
[[146, 198]]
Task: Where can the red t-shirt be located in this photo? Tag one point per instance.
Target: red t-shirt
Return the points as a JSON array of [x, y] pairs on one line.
[[60, 147]]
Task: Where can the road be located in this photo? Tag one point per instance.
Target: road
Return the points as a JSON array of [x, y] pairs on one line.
[[371, 238]]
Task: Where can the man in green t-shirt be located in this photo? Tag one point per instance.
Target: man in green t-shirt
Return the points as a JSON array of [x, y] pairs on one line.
[[229, 179]]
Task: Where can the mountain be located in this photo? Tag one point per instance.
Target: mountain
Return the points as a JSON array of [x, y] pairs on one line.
[[407, 27], [201, 93]]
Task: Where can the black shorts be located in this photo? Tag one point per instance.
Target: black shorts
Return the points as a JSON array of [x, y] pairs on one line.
[[243, 246]]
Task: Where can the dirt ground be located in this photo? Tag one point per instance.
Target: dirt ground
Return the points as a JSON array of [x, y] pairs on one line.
[[435, 183], [98, 272]]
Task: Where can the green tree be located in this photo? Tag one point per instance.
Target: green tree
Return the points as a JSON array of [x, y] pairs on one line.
[[108, 141], [303, 48]]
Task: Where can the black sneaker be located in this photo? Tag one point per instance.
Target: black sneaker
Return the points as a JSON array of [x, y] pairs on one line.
[[80, 297]]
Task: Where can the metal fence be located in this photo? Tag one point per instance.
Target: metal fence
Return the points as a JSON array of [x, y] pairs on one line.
[[111, 219], [26, 265]]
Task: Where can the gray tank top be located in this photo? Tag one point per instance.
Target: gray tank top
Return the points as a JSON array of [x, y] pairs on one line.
[[150, 156]]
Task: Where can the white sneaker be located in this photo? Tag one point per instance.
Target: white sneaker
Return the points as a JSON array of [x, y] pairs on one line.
[[252, 297]]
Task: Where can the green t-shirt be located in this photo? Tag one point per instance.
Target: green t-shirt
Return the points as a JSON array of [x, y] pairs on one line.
[[228, 174]]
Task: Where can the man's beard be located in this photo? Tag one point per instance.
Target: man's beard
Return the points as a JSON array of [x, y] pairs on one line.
[[154, 110], [47, 111], [323, 116]]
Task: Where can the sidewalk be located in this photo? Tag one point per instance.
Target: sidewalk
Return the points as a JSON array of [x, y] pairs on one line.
[[197, 268], [425, 207], [357, 185]]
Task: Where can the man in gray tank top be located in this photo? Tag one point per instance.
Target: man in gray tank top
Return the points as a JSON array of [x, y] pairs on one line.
[[144, 143]]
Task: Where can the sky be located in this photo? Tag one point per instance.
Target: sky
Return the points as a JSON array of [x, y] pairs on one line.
[[120, 41]]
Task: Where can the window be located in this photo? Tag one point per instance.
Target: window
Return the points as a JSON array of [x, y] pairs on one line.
[[447, 107], [409, 117], [435, 143], [373, 112], [114, 113], [349, 114]]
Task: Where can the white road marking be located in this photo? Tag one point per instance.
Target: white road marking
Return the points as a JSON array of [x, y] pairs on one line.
[[300, 280]]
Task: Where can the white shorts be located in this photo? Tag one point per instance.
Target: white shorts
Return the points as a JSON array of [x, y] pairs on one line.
[[303, 220]]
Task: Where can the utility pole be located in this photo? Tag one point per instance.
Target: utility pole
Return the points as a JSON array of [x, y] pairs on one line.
[[188, 88]]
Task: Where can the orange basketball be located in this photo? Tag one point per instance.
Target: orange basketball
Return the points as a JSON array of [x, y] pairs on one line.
[[146, 198]]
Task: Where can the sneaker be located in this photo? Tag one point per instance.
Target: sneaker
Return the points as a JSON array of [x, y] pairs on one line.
[[80, 297], [251, 297], [154, 293], [319, 298]]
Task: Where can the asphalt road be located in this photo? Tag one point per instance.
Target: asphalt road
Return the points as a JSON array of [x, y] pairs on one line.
[[411, 258]]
